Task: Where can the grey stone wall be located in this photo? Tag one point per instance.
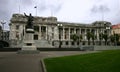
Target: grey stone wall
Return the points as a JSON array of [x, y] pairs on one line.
[[52, 30], [106, 47]]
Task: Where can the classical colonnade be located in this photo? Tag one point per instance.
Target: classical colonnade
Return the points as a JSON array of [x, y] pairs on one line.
[[55, 33]]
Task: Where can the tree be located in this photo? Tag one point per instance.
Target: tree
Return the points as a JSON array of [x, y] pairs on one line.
[[74, 37], [105, 37], [93, 36], [88, 37], [117, 38], [112, 39], [100, 38], [80, 38]]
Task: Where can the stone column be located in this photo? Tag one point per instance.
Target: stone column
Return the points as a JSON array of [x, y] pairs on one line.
[[24, 31], [21, 32], [12, 36], [63, 33], [74, 30], [46, 32], [39, 31], [90, 29], [97, 33], [56, 33], [69, 33], [12, 32], [85, 34], [80, 30]]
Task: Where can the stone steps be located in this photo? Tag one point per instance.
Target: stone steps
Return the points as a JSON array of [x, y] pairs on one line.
[[38, 43], [43, 44]]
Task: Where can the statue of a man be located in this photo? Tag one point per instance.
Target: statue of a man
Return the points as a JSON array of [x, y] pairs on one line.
[[30, 21]]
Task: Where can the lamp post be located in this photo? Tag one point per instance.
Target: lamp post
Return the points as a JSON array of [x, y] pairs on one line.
[[59, 28], [3, 22]]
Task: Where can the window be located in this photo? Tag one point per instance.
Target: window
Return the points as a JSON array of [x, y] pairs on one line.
[[35, 37], [53, 43], [36, 28], [66, 33], [17, 27], [60, 33], [93, 31], [61, 42], [105, 31], [29, 44], [83, 43], [52, 35], [82, 31], [66, 42], [71, 30], [43, 29], [44, 19], [88, 30], [73, 43], [77, 31], [77, 43]]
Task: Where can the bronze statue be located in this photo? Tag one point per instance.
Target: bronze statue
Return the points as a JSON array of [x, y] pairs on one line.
[[30, 21]]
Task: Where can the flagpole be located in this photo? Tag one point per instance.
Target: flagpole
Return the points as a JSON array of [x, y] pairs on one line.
[[51, 11], [36, 10], [102, 15], [118, 6], [19, 6]]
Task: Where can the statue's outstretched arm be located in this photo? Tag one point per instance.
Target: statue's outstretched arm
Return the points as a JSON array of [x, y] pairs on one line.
[[25, 15]]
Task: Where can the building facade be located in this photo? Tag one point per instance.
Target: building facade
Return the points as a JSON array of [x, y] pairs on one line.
[[49, 32], [1, 32], [6, 35], [116, 29]]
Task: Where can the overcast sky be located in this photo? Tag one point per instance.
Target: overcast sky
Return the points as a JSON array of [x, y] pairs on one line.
[[80, 11]]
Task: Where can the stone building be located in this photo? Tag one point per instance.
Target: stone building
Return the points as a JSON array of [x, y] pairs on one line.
[[49, 32], [6, 35], [1, 32], [116, 29]]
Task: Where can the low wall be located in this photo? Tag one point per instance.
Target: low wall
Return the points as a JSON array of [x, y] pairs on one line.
[[40, 49], [80, 48], [9, 49], [106, 47], [59, 49]]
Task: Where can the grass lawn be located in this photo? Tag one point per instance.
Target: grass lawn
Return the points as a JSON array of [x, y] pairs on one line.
[[106, 61]]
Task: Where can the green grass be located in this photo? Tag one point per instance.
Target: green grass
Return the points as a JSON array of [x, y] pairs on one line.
[[106, 61]]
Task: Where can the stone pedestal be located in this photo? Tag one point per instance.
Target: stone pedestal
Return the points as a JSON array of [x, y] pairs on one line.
[[28, 43]]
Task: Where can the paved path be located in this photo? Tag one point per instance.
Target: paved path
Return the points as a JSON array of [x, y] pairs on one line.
[[13, 62]]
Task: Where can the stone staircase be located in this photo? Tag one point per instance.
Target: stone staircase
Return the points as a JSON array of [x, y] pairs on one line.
[[19, 44], [38, 43], [43, 44]]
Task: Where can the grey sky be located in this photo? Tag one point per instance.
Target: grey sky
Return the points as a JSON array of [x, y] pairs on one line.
[[82, 11]]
